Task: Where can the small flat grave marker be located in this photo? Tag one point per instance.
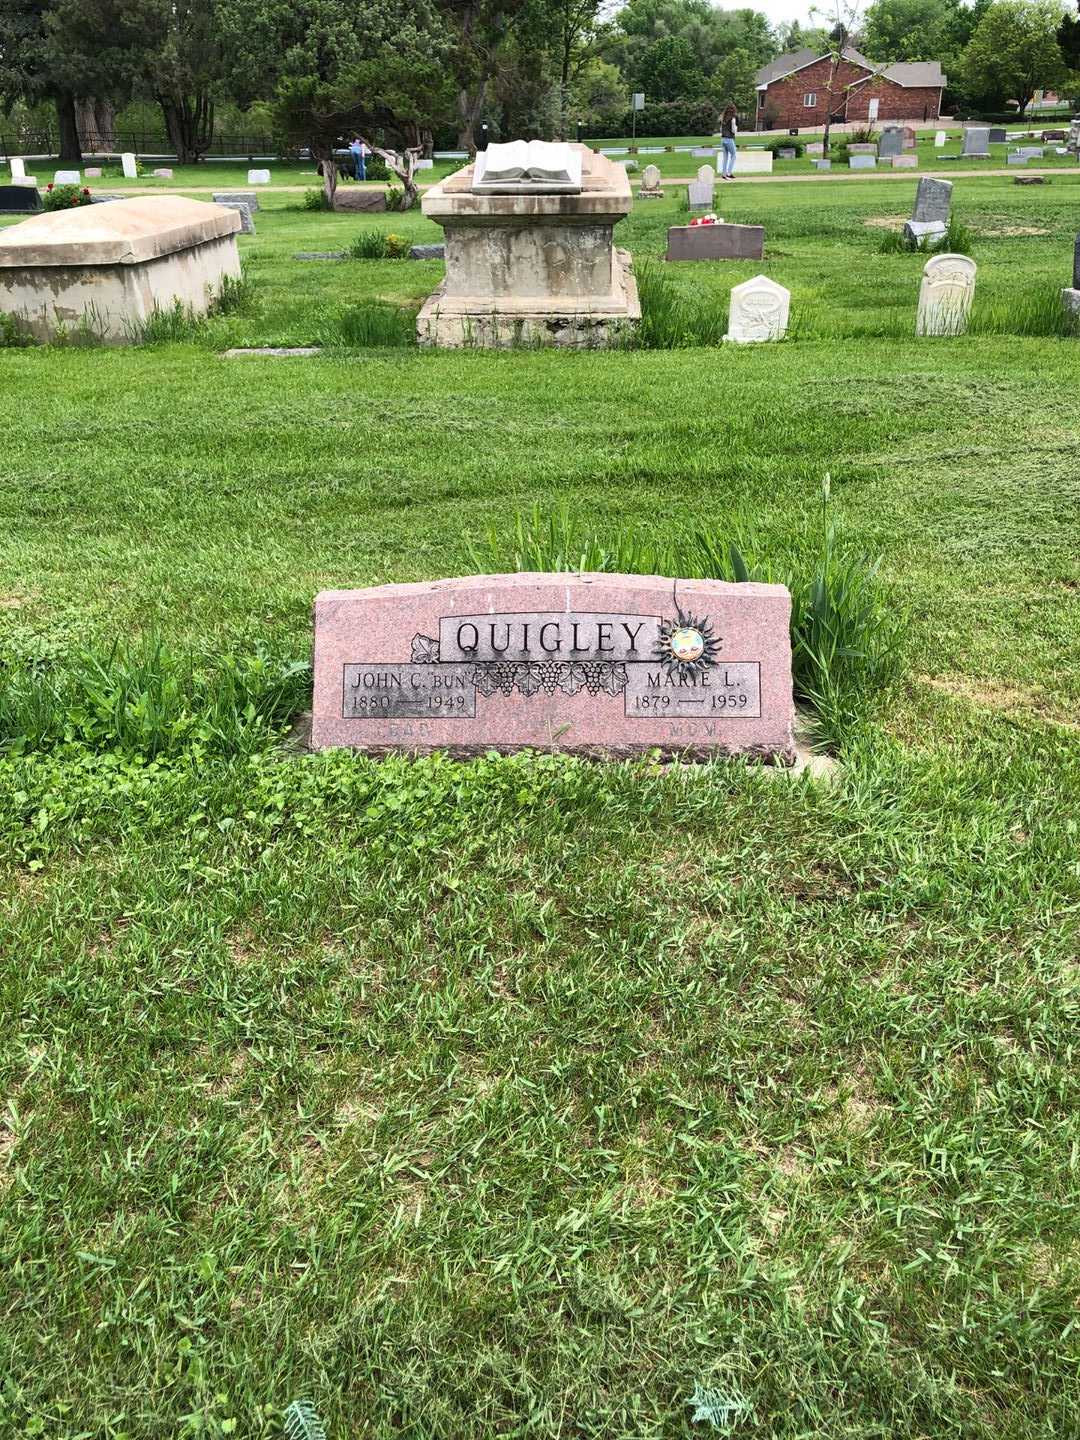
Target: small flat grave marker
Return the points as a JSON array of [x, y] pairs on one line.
[[258, 177], [67, 177], [600, 664], [862, 162], [130, 166]]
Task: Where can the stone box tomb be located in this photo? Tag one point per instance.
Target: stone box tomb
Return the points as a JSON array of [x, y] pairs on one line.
[[528, 263], [108, 267], [589, 663]]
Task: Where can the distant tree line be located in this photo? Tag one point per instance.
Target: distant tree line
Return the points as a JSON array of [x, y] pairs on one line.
[[407, 74]]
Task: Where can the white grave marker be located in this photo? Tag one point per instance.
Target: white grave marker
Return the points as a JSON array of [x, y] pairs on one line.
[[131, 169], [939, 140], [758, 311], [258, 177], [706, 174], [67, 177], [18, 168], [945, 296]]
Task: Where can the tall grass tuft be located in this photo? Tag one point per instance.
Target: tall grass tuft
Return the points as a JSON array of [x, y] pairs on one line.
[[373, 324], [670, 319], [147, 700], [1038, 311], [845, 633]]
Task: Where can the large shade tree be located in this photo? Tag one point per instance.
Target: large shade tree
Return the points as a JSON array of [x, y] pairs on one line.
[[370, 67], [61, 50], [1014, 51]]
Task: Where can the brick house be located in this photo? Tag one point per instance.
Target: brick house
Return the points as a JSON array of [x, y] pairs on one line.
[[793, 90]]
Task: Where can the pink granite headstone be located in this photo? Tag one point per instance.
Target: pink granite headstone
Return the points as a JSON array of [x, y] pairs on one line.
[[615, 664]]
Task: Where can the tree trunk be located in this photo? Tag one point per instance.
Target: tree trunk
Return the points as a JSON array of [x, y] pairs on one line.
[[329, 178], [70, 149], [105, 119], [190, 126], [403, 168], [470, 108]]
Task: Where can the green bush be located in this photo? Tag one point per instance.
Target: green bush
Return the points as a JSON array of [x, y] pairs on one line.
[[316, 199], [792, 142], [374, 245], [12, 337], [65, 197]]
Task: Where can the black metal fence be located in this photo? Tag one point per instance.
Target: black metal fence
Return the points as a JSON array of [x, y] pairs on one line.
[[154, 144]]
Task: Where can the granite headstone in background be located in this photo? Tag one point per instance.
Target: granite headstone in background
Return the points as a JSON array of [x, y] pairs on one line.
[[862, 162], [237, 197], [891, 143], [933, 199], [701, 193], [19, 200], [247, 221], [905, 162], [996, 135], [976, 143], [716, 242], [602, 664]]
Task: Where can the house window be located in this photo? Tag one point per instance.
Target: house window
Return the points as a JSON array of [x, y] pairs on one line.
[[809, 100]]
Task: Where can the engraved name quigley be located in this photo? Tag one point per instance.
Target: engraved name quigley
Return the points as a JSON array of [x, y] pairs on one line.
[[544, 651], [542, 634]]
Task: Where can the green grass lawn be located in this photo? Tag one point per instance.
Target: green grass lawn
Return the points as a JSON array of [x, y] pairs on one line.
[[528, 1096]]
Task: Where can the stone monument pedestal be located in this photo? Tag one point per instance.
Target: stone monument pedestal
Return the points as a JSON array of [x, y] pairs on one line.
[[532, 266]]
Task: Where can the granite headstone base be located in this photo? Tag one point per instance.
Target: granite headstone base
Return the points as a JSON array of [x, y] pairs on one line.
[[716, 242], [19, 200], [615, 665], [366, 202]]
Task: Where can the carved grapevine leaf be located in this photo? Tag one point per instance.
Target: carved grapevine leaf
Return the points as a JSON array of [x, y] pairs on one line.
[[615, 680], [425, 650], [529, 679]]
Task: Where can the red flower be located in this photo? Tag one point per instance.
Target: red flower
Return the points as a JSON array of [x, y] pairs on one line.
[[48, 187], [85, 191]]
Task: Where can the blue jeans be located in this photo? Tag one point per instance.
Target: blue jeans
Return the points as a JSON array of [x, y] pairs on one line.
[[359, 169], [727, 163]]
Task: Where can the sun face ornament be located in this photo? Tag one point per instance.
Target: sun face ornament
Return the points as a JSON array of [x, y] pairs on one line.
[[687, 645]]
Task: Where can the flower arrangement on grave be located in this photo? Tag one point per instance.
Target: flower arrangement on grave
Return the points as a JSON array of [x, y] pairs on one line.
[[64, 197], [709, 219]]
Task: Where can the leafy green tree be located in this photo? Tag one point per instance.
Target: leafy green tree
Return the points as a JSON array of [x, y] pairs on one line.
[[376, 68], [669, 70], [909, 29], [1014, 52], [59, 50], [734, 81]]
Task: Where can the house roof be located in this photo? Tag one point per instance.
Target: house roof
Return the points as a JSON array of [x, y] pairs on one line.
[[915, 72], [906, 73]]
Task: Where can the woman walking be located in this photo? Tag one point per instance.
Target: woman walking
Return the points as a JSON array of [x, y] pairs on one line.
[[729, 128]]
